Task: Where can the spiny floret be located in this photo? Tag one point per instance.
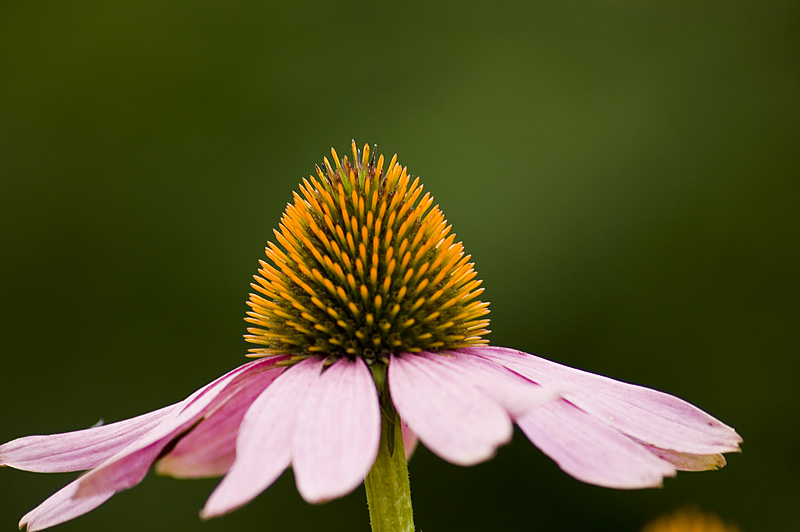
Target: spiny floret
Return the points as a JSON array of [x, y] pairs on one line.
[[364, 266]]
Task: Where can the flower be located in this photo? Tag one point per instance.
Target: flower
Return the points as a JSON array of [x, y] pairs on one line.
[[367, 304], [689, 521]]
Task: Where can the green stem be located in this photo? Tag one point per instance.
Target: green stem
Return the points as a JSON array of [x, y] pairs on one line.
[[388, 490]]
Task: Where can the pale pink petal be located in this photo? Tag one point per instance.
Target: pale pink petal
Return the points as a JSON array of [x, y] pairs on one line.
[[81, 449], [263, 447], [410, 440], [338, 432], [454, 418], [128, 467], [62, 506], [688, 462], [514, 392], [648, 415], [210, 448], [589, 450]]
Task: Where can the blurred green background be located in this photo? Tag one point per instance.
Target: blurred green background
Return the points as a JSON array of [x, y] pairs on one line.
[[626, 177]]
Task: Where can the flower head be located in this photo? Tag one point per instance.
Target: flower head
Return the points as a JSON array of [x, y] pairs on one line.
[[689, 521], [367, 268], [368, 305]]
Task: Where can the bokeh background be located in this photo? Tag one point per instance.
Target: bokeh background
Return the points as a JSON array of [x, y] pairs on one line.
[[624, 175]]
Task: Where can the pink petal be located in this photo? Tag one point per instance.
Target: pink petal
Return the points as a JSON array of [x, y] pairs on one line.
[[456, 420], [410, 440], [60, 507], [517, 394], [263, 447], [128, 467], [210, 448], [648, 415], [688, 462], [81, 449], [338, 432], [590, 450]]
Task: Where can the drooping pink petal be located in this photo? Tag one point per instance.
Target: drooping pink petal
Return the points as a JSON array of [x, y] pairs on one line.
[[81, 449], [410, 440], [263, 446], [514, 392], [688, 462], [210, 448], [454, 418], [648, 415], [590, 450], [128, 467], [62, 506], [338, 432]]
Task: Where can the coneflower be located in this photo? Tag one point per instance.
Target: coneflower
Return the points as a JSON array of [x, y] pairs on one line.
[[371, 336], [691, 520]]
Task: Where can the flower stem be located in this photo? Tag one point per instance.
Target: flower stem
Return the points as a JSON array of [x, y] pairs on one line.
[[388, 490]]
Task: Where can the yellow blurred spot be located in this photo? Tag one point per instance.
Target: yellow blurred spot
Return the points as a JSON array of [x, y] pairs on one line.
[[689, 520]]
